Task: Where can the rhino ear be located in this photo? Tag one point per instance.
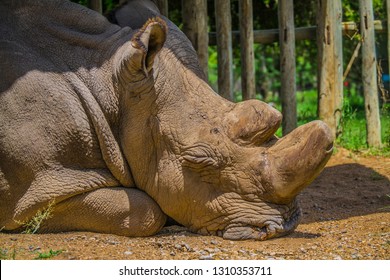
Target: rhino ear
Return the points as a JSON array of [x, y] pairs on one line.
[[137, 56]]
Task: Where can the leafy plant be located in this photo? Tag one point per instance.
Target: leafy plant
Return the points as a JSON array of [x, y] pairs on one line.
[[32, 226], [48, 255]]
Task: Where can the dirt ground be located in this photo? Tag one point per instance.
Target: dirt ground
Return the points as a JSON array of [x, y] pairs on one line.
[[344, 217]]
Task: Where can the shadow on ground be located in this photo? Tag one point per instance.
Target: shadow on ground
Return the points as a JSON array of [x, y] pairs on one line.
[[344, 191]]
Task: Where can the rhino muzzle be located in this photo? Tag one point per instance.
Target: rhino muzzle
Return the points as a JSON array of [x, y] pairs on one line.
[[263, 230]]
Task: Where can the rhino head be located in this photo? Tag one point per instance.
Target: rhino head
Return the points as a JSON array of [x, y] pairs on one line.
[[212, 165]]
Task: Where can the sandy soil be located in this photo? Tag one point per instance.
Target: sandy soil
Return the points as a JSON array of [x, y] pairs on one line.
[[344, 217]]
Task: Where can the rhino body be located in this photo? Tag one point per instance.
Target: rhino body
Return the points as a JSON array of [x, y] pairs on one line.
[[115, 124]]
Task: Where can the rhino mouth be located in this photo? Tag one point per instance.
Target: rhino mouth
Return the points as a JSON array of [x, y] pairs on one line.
[[264, 230]]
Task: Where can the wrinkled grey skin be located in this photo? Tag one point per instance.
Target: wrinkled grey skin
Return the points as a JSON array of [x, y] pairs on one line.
[[117, 126]]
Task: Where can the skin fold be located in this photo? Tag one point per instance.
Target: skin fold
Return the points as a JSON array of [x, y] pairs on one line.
[[132, 133]]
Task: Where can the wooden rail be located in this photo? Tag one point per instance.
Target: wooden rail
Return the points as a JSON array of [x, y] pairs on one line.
[[301, 33], [328, 33]]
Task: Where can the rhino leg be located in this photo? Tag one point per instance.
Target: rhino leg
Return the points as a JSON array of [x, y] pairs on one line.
[[118, 210]]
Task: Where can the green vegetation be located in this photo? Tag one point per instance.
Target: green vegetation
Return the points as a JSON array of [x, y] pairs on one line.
[[32, 226], [353, 124], [48, 255], [10, 254], [353, 136]]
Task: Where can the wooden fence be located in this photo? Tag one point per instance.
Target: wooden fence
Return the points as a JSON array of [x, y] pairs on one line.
[[328, 34]]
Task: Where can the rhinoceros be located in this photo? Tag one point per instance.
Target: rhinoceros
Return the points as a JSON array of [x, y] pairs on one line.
[[115, 125]]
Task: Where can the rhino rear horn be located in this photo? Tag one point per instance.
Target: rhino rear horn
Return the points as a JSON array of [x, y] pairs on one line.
[[137, 56]]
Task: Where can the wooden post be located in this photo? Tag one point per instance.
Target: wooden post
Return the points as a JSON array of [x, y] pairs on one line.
[[195, 26], [369, 74], [301, 33], [247, 55], [162, 5], [388, 35], [224, 48], [96, 5], [330, 63], [287, 65]]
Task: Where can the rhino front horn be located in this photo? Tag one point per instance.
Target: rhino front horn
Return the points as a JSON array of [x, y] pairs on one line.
[[296, 159]]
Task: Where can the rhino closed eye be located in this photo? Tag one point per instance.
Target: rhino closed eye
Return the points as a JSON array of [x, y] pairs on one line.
[[199, 157]]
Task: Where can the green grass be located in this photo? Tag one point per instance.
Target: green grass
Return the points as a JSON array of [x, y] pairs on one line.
[[353, 124], [10, 254], [48, 255], [353, 135]]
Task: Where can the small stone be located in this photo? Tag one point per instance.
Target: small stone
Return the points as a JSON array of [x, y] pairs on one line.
[[337, 257], [128, 253], [206, 257], [214, 242], [188, 248], [202, 252], [209, 250], [31, 248], [113, 242], [217, 250]]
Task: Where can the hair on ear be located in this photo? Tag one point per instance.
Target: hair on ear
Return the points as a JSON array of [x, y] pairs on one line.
[[137, 41], [137, 56]]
